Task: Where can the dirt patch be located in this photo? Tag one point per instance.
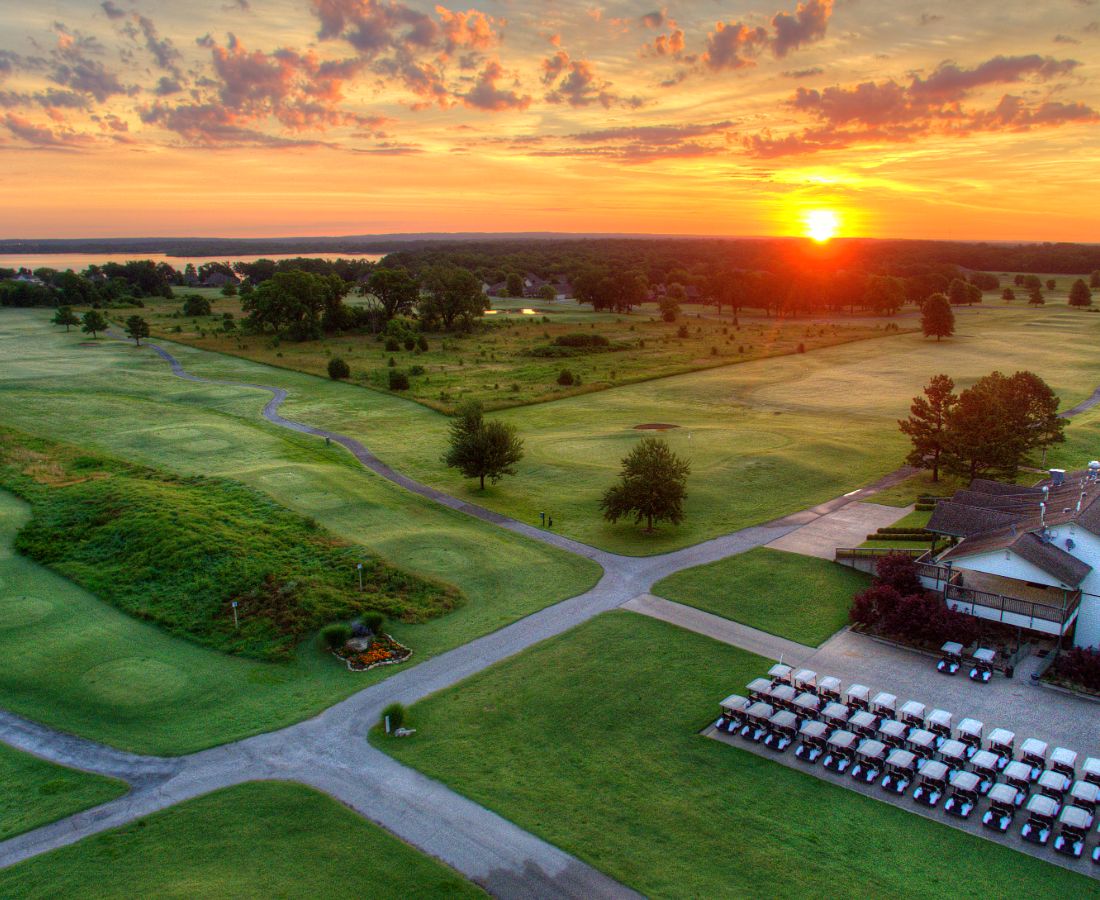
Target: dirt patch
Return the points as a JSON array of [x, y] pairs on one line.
[[655, 426]]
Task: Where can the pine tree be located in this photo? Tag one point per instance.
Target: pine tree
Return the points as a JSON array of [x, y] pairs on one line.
[[1079, 294], [93, 322], [927, 423], [137, 328], [652, 486]]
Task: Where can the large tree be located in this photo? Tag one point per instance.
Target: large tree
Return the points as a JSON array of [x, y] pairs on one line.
[[927, 423], [937, 318], [92, 322], [481, 449], [395, 290], [65, 316], [1079, 294], [137, 328], [652, 486], [290, 303], [958, 292], [453, 295]]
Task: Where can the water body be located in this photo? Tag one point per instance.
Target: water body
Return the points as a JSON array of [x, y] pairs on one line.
[[79, 261]]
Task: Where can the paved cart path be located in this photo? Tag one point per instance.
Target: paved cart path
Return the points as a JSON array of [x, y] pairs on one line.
[[330, 751]]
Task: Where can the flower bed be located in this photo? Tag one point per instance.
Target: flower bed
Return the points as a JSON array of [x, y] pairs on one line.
[[382, 650]]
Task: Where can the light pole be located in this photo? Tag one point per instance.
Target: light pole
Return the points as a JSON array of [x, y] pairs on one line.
[[236, 624], [359, 566]]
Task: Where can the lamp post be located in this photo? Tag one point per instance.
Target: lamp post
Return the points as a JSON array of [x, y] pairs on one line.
[[359, 567], [236, 624]]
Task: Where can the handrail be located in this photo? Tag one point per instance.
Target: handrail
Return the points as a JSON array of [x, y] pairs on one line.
[[1028, 608]]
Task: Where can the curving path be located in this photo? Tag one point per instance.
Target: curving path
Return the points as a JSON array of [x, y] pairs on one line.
[[330, 752]]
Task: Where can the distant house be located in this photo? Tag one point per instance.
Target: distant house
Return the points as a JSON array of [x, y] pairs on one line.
[[1025, 556]]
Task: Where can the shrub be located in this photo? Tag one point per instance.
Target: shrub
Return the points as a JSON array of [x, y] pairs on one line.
[[899, 571], [399, 381], [338, 369], [410, 344], [392, 362], [196, 305], [422, 343], [392, 345], [336, 635], [1080, 666], [565, 377], [582, 340], [682, 331], [416, 370], [373, 622], [395, 712]]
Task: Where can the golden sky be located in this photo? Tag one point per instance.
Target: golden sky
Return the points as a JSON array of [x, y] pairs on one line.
[[973, 120]]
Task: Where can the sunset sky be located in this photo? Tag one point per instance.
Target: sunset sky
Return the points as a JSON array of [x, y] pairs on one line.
[[975, 120]]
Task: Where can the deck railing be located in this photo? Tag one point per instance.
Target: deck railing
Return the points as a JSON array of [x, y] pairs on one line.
[[1003, 604]]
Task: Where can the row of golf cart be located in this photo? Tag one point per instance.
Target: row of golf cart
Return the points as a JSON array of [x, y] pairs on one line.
[[979, 663], [875, 740]]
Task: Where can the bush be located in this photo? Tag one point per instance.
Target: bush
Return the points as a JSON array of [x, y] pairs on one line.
[[399, 381], [582, 340], [338, 369], [565, 377], [392, 345], [410, 344], [422, 343], [416, 370], [373, 622], [395, 712], [1079, 666], [336, 635], [195, 305], [682, 331], [899, 571]]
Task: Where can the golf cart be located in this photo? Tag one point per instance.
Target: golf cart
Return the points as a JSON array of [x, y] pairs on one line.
[[780, 674], [939, 723], [950, 658], [733, 713], [912, 714], [984, 765], [1002, 807], [870, 758], [1064, 761], [1018, 776], [857, 697], [835, 714], [828, 689], [806, 705], [891, 732], [811, 740], [759, 689], [1041, 811], [782, 696], [900, 768], [781, 730], [1034, 753], [953, 753], [969, 731], [884, 705], [806, 680], [1090, 771], [863, 723], [839, 750], [1073, 826], [931, 784], [922, 743], [756, 721], [1085, 795], [964, 795], [982, 670], [1001, 744], [1054, 785]]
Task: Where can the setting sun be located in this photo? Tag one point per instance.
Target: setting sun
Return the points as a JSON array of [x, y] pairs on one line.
[[821, 224]]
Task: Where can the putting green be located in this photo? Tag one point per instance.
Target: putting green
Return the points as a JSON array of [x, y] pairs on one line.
[[114, 682], [16, 612]]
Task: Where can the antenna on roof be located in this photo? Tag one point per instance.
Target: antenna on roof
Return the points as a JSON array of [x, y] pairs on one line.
[[1043, 515]]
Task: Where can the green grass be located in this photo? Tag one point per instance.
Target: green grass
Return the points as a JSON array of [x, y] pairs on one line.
[[34, 792], [206, 558], [256, 840], [590, 741], [800, 598]]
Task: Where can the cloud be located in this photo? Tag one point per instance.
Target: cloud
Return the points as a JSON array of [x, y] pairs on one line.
[[471, 29], [575, 82], [49, 99], [42, 135], [112, 11], [167, 86], [732, 45], [654, 19], [375, 26], [929, 18], [803, 73], [950, 82], [807, 25], [162, 50], [671, 44], [1065, 39], [486, 95]]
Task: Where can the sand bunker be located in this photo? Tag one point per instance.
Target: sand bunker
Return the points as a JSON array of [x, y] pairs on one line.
[[655, 426]]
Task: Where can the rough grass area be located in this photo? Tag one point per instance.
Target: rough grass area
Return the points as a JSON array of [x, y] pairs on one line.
[[252, 841], [801, 598], [34, 792], [590, 741], [178, 551]]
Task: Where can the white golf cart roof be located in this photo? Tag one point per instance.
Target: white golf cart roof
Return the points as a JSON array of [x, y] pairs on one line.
[[783, 692], [1042, 805], [808, 701], [760, 686], [999, 793], [1053, 781], [1017, 771], [829, 683], [913, 708], [952, 749], [805, 676], [811, 728], [884, 699], [892, 728], [1034, 747], [922, 738], [934, 770], [1075, 817], [966, 781], [784, 719], [1086, 791], [780, 671], [1091, 766], [940, 717], [843, 740], [862, 719], [1062, 757], [971, 727], [901, 758], [857, 692], [1001, 736], [760, 710], [985, 655], [983, 759], [872, 749], [954, 648], [734, 703], [835, 710]]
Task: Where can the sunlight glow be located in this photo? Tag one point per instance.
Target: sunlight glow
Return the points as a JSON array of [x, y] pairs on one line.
[[821, 224]]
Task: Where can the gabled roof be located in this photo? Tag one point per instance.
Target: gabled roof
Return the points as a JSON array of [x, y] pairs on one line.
[[988, 486], [1053, 560], [963, 520]]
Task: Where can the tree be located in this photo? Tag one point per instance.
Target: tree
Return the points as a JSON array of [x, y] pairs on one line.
[[1079, 294], [289, 302], [338, 369], [669, 304], [1035, 296], [937, 318], [1094, 279], [93, 322], [453, 295], [229, 289], [958, 292], [395, 290], [481, 449], [652, 486], [883, 294], [513, 284], [195, 305], [137, 328], [1051, 284], [65, 316], [927, 423], [1008, 294], [547, 292]]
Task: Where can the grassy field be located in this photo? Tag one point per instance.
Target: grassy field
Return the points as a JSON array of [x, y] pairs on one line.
[[127, 682], [500, 364], [252, 841], [34, 792], [800, 598], [590, 741], [207, 559]]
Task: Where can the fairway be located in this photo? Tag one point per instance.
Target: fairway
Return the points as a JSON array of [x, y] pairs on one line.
[[800, 598], [590, 741], [252, 841]]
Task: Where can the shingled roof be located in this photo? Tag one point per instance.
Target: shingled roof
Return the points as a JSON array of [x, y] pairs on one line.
[[1068, 569]]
